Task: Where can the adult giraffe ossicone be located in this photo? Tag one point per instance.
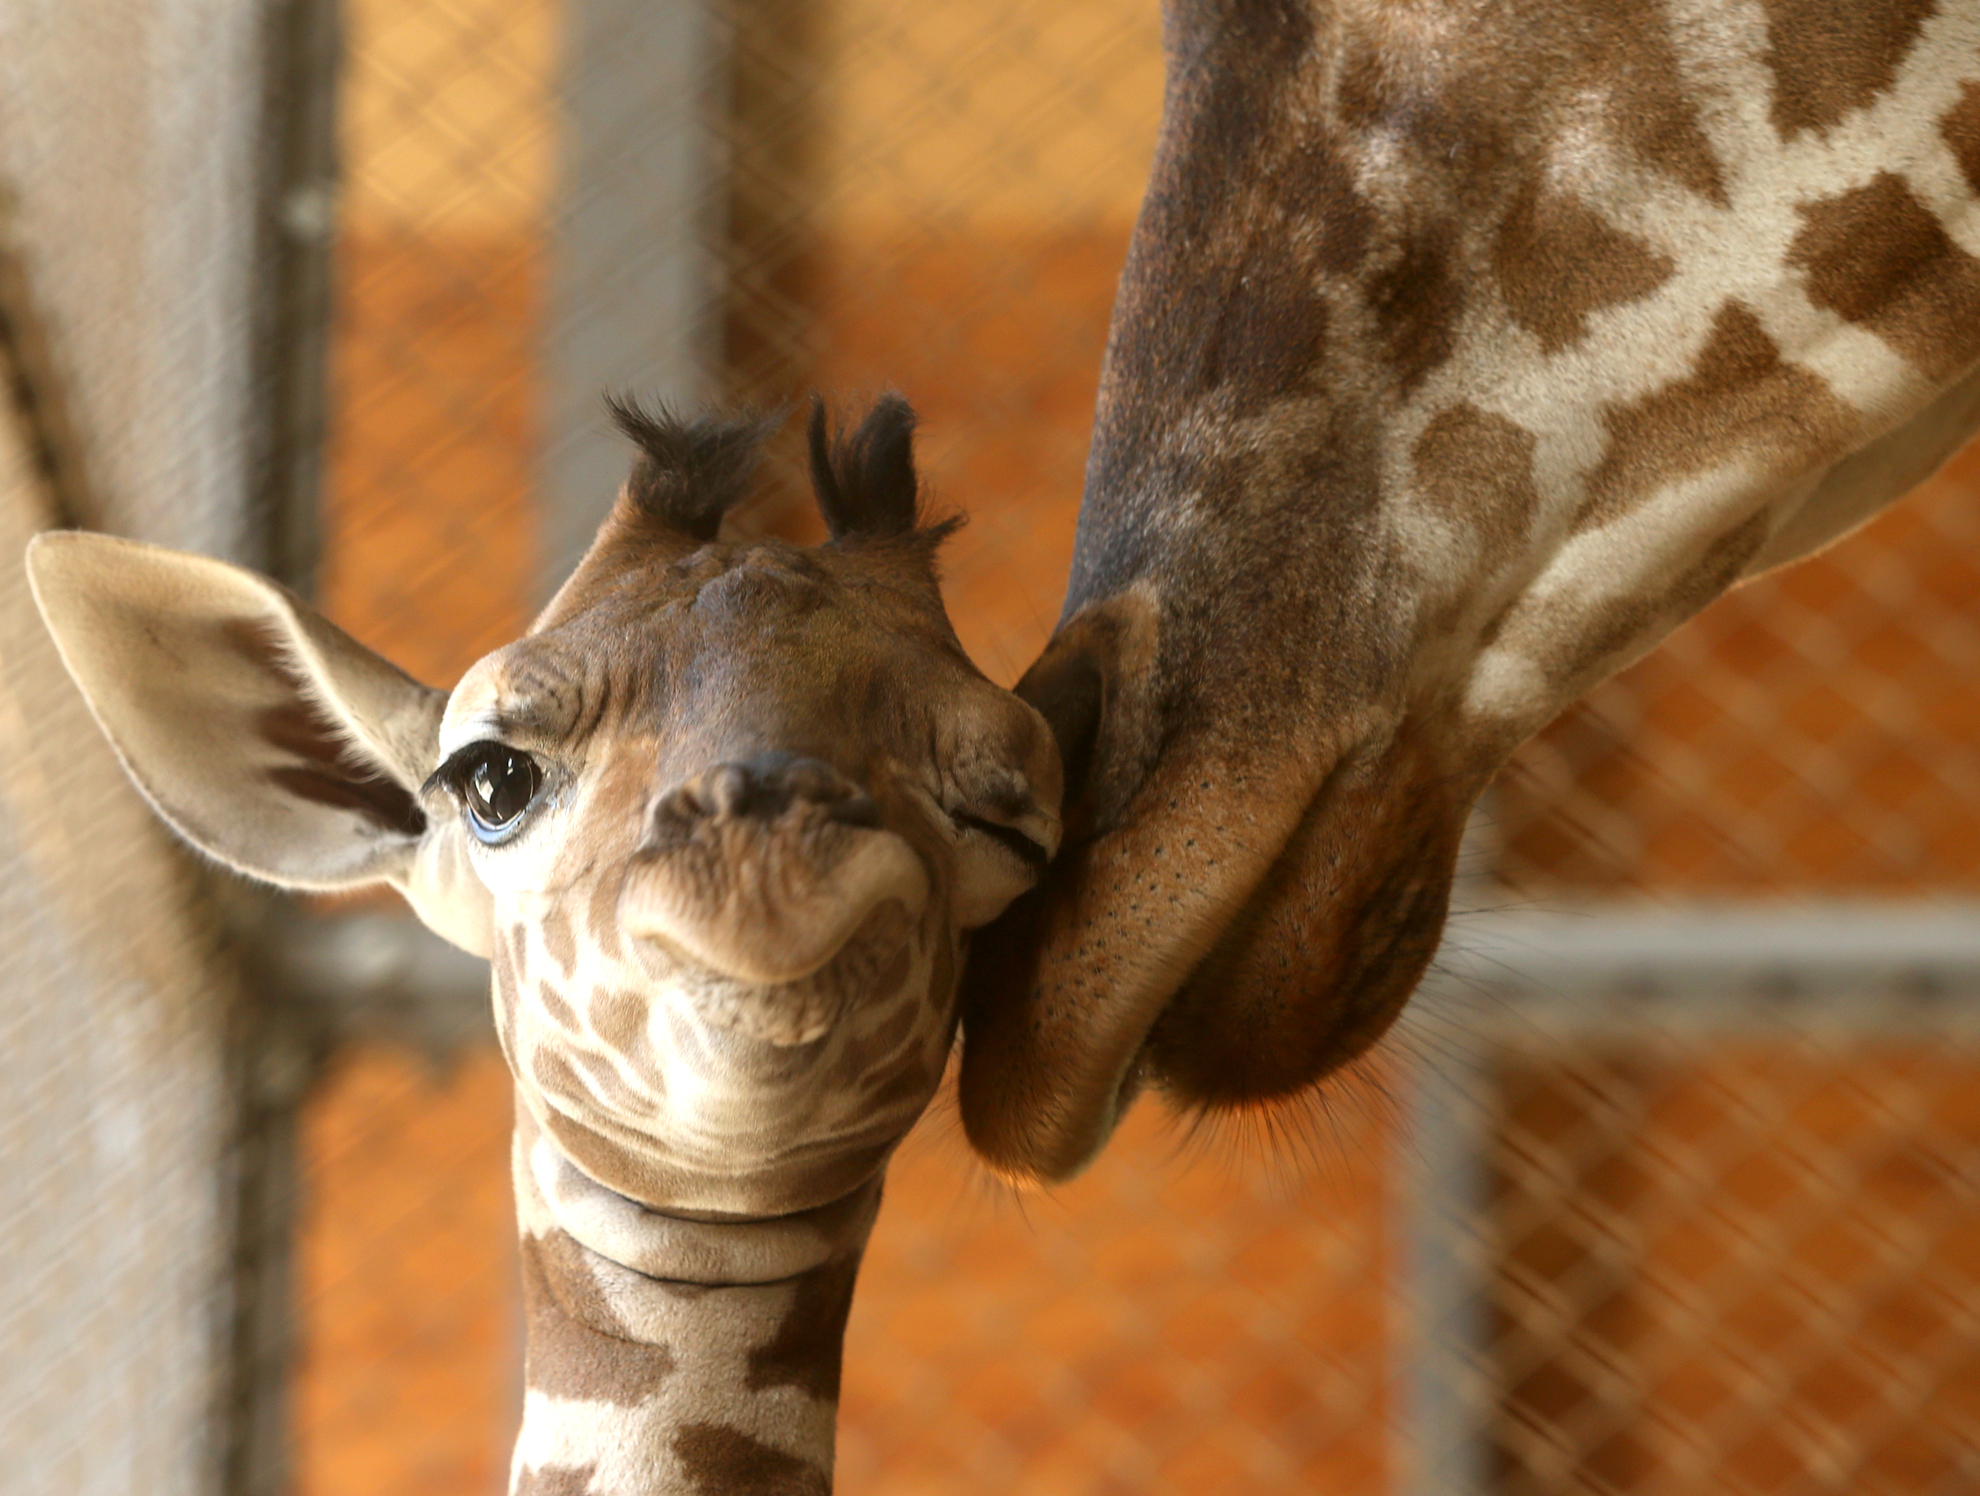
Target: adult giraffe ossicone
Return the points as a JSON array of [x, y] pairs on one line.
[[1463, 350], [720, 821]]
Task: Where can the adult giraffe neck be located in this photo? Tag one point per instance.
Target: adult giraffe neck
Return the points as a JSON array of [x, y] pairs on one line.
[[666, 1356]]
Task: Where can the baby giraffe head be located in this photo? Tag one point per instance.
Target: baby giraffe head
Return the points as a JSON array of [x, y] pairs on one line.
[[720, 820]]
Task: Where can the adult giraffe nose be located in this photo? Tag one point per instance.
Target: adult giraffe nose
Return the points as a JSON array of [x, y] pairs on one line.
[[763, 869]]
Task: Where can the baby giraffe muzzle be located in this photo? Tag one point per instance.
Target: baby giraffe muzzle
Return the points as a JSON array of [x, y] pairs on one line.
[[721, 823], [764, 870]]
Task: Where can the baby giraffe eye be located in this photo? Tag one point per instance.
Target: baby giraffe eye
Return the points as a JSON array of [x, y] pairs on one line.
[[496, 783]]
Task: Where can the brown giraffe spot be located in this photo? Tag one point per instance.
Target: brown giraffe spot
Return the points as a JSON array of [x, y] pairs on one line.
[[1457, 127], [577, 1345], [805, 1352], [559, 940], [1960, 125], [1476, 469], [506, 1001], [609, 1086], [553, 1003], [1832, 59], [558, 1079], [1416, 302], [611, 1164], [1650, 105], [619, 1019], [601, 912], [554, 1076], [1878, 257], [1315, 186], [1740, 396], [722, 1461], [1543, 53], [1557, 261], [555, 1480], [1264, 331]]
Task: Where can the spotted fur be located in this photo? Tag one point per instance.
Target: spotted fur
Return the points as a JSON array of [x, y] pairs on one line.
[[721, 823], [1462, 351], [725, 955]]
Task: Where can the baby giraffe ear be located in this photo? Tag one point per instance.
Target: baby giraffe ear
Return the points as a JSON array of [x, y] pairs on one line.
[[261, 732], [865, 481]]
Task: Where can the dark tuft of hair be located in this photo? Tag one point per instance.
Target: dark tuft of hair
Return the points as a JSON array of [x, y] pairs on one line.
[[865, 479], [689, 473]]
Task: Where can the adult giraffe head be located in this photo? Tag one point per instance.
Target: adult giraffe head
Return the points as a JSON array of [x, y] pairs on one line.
[[721, 820], [1462, 351]]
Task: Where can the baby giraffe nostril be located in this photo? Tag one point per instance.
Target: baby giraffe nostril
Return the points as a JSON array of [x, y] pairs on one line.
[[771, 783], [856, 810], [729, 790], [760, 789], [763, 873], [814, 780]]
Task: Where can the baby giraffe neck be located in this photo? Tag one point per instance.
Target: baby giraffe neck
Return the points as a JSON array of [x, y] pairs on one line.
[[670, 1356]]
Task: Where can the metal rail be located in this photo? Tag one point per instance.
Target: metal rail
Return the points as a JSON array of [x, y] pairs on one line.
[[1861, 968]]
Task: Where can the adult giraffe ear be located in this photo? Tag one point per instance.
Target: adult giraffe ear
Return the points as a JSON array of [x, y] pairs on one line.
[[261, 732]]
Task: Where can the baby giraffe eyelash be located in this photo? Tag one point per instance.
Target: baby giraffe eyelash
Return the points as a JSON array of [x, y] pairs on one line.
[[496, 786], [1028, 851]]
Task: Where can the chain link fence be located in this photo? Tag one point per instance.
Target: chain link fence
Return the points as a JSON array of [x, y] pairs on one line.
[[1628, 1252], [1818, 731]]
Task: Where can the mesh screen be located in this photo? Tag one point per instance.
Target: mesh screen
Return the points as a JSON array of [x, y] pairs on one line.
[[1745, 1267], [114, 1117], [1743, 1263], [128, 171], [1816, 731]]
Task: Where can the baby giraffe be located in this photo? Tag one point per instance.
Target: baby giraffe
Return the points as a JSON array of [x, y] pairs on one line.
[[721, 821]]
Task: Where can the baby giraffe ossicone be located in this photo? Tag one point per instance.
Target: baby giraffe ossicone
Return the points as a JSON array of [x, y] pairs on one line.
[[720, 821]]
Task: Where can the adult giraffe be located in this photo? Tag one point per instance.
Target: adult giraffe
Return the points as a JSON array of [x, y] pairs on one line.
[[1463, 350]]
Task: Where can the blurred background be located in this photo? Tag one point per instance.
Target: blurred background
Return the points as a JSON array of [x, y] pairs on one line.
[[1670, 1182]]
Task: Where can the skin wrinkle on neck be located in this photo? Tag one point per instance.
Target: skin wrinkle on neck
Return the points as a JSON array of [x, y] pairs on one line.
[[666, 1247], [697, 1310]]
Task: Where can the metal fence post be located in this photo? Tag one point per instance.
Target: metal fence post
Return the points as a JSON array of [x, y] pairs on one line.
[[630, 271]]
